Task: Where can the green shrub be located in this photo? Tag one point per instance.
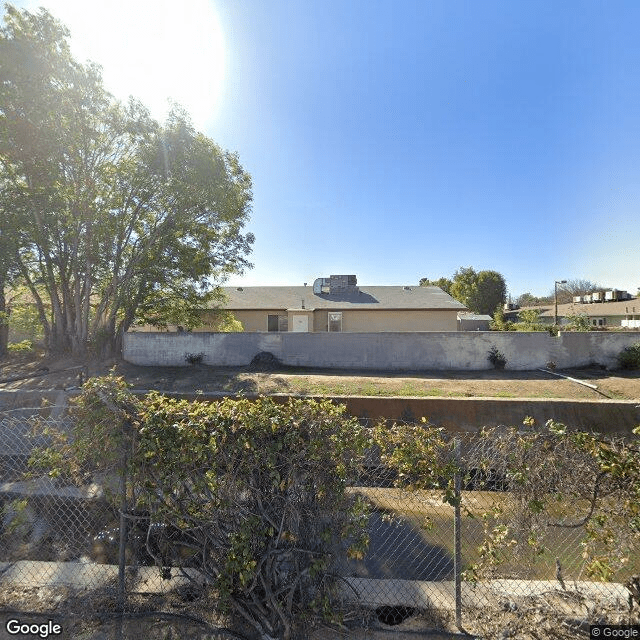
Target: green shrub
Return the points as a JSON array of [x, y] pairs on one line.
[[25, 346], [24, 323], [194, 358], [579, 322], [499, 322], [496, 358], [629, 357], [257, 490], [559, 479]]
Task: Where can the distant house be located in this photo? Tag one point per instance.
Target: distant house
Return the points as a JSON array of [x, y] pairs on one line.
[[338, 304], [473, 322], [614, 314]]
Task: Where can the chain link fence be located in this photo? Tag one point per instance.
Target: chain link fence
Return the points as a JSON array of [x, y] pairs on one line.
[[479, 537], [48, 525]]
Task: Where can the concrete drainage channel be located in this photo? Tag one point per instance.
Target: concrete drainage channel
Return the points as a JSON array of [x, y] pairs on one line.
[[396, 602], [471, 414], [453, 414]]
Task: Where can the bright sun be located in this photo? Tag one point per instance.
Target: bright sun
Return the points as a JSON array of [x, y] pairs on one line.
[[154, 50]]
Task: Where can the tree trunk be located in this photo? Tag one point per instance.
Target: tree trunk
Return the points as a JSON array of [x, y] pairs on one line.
[[4, 322]]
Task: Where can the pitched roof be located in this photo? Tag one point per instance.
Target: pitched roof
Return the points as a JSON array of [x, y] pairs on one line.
[[597, 309], [473, 316], [363, 298]]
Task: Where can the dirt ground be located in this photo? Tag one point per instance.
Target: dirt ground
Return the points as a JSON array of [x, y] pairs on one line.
[[94, 616], [555, 615], [33, 371]]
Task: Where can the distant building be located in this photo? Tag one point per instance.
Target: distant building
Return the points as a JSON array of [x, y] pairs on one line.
[[603, 311], [338, 304], [473, 322]]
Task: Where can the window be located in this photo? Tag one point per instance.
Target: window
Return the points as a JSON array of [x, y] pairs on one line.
[[335, 321], [277, 323]]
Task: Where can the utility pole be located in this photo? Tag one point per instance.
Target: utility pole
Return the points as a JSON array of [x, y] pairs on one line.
[[555, 288]]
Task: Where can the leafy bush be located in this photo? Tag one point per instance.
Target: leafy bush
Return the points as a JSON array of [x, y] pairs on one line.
[[496, 358], [579, 322], [194, 358], [224, 322], [499, 322], [529, 320], [24, 323], [25, 346], [560, 479], [629, 357], [257, 491], [420, 454]]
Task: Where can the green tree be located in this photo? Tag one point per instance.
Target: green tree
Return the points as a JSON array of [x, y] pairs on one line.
[[24, 323], [529, 300], [8, 270], [499, 321], [119, 216], [490, 293], [482, 292], [530, 321], [4, 312], [226, 322], [444, 284]]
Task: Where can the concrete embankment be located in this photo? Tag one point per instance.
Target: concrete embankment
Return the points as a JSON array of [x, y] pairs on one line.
[[471, 414], [56, 399], [453, 414]]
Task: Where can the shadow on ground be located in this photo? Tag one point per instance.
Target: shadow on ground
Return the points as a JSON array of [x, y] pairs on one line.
[[397, 550]]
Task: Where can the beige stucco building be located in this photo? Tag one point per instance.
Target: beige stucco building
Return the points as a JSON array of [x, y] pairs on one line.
[[617, 314], [338, 304]]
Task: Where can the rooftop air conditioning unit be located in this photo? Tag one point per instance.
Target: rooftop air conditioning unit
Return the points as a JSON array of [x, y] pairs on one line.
[[577, 299], [321, 285], [597, 296]]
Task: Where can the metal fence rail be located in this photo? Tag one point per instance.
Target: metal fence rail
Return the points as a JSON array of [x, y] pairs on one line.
[[424, 553]]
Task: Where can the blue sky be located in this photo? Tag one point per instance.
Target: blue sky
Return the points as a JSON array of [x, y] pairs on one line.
[[396, 140]]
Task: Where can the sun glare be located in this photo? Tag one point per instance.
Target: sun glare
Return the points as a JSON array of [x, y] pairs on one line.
[[154, 50]]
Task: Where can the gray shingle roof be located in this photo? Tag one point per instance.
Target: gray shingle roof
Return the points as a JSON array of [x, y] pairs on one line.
[[473, 316], [366, 298], [598, 309]]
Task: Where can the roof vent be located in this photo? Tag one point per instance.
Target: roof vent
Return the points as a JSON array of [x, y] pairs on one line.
[[239, 289]]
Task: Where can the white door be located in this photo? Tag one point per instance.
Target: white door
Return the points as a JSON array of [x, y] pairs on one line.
[[301, 323]]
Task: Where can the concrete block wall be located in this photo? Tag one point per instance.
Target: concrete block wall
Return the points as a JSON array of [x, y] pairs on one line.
[[391, 351]]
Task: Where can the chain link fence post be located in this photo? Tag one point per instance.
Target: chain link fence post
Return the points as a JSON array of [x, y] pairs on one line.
[[124, 510], [457, 534]]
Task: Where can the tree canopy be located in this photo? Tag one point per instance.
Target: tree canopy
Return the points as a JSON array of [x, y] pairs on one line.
[[481, 291], [444, 283], [114, 217]]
